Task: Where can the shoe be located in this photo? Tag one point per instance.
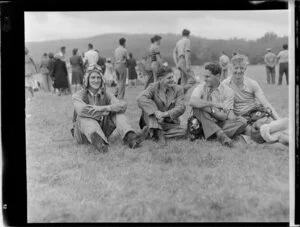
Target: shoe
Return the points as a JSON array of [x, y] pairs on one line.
[[72, 132], [224, 139], [160, 138], [134, 140], [99, 143]]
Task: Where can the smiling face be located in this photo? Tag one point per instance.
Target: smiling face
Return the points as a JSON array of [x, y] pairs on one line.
[[95, 81], [168, 80], [238, 71], [210, 79]]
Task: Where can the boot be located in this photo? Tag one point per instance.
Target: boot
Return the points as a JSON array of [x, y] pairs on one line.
[[160, 138], [99, 143], [224, 139], [133, 140]]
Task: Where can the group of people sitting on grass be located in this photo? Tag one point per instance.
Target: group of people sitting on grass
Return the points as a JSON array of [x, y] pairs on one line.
[[222, 110]]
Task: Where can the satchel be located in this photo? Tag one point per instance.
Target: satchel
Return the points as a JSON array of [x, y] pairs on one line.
[[257, 113], [194, 128]]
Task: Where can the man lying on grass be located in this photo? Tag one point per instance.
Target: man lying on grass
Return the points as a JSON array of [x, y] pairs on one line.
[[98, 113], [250, 101], [212, 104], [162, 104]]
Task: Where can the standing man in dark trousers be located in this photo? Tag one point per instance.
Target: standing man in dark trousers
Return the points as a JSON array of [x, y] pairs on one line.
[[182, 59], [283, 59], [121, 56], [270, 60]]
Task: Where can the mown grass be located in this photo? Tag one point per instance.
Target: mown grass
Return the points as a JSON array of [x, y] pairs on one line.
[[187, 181]]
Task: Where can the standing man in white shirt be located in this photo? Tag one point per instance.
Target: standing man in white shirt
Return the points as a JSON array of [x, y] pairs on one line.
[[121, 56], [90, 57], [182, 59], [224, 61], [270, 60], [283, 59]]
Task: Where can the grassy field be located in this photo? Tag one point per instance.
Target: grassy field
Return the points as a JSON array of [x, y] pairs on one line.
[[187, 181]]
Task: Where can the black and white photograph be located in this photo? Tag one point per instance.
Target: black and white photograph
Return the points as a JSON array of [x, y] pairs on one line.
[[158, 116]]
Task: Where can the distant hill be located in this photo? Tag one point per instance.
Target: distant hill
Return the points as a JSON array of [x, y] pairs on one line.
[[203, 50]]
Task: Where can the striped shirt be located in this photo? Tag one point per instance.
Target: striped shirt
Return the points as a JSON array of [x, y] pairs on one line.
[[245, 97]]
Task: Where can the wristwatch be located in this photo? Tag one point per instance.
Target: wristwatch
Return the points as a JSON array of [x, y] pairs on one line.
[[212, 110]]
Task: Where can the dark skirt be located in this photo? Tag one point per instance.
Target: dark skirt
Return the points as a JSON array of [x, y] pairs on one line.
[[132, 75], [77, 75]]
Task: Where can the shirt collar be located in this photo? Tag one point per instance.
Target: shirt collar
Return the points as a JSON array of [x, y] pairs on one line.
[[97, 93]]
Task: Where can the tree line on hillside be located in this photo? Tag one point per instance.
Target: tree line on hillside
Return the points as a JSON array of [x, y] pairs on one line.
[[203, 49]]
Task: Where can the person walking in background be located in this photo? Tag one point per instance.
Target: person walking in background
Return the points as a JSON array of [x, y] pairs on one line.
[[283, 59], [77, 69], [44, 67], [109, 73], [60, 74], [270, 60], [224, 62], [30, 70], [156, 60], [121, 57], [182, 59], [50, 66], [132, 75], [90, 57]]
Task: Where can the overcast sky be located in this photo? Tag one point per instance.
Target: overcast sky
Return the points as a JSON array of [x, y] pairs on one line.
[[40, 26]]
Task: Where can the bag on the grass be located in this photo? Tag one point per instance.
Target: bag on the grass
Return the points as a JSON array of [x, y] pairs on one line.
[[257, 113], [194, 128]]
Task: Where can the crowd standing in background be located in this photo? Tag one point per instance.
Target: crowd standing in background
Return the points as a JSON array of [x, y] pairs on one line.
[[226, 105]]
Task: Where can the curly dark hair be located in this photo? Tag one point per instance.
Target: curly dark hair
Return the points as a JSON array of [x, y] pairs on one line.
[[214, 68], [163, 71]]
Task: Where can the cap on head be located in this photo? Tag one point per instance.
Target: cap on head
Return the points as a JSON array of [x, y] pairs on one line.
[[285, 46], [186, 32], [57, 56], [163, 71], [51, 55], [122, 41], [156, 38], [89, 71]]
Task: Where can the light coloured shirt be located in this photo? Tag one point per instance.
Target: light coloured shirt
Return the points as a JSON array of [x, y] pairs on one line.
[[245, 97], [223, 95], [283, 56], [182, 47], [121, 54], [224, 60], [91, 57], [270, 59]]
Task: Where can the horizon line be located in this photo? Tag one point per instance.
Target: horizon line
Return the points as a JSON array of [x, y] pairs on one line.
[[169, 33]]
